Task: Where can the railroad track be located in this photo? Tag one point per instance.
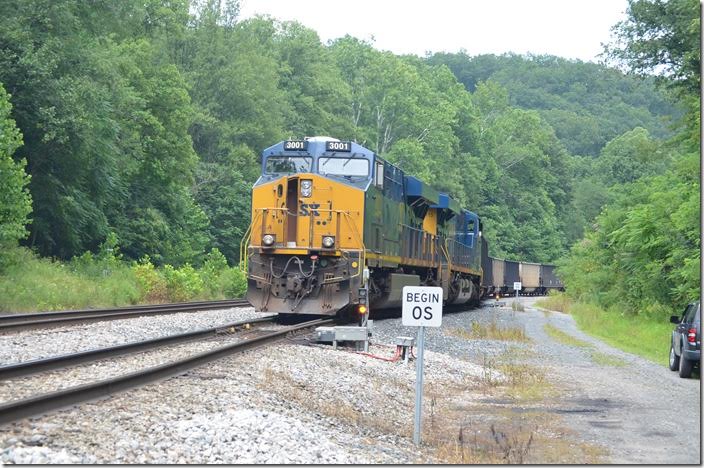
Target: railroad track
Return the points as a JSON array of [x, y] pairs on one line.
[[44, 319], [41, 404], [35, 366]]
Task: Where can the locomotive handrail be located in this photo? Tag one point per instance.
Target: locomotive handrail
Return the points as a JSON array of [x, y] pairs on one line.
[[348, 218], [353, 227], [446, 250], [244, 243]]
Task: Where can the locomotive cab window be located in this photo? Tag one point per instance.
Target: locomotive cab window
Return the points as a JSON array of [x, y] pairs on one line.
[[379, 175], [470, 233], [350, 167], [288, 164]]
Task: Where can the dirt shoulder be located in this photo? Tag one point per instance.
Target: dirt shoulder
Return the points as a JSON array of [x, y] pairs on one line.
[[638, 411]]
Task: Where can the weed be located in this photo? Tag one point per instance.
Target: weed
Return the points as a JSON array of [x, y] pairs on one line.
[[513, 450], [183, 283], [637, 335], [30, 283], [492, 331], [607, 359], [525, 382], [517, 307], [557, 301], [564, 338], [596, 356], [520, 352]]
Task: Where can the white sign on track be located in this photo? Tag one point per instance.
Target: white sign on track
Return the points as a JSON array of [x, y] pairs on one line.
[[422, 306], [517, 285]]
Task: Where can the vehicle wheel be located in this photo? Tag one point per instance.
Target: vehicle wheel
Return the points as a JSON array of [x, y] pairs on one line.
[[674, 359], [685, 367]]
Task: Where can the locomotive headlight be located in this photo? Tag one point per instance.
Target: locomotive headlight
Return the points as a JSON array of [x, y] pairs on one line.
[[328, 241], [268, 239], [306, 188]]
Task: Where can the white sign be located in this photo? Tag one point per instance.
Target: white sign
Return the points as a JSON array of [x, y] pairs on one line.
[[422, 306], [517, 285]]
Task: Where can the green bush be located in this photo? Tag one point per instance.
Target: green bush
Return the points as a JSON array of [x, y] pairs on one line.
[[233, 283], [30, 283], [15, 200], [183, 284], [214, 265], [151, 284]]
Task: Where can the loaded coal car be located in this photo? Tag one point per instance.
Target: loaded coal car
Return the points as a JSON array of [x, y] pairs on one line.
[[530, 278], [323, 210], [512, 274], [549, 280]]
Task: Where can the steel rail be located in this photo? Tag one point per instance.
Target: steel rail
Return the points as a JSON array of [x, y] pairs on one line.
[[35, 366], [15, 321], [41, 404]]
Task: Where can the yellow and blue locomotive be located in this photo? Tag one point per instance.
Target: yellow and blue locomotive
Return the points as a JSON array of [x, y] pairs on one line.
[[330, 215]]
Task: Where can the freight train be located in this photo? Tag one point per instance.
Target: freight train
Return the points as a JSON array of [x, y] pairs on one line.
[[337, 229]]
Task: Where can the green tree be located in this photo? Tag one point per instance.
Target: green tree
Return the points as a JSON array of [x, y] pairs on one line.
[[643, 254], [661, 36], [15, 201], [587, 104], [629, 157], [103, 114]]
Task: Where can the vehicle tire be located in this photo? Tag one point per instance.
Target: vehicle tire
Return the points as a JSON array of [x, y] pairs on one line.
[[674, 359], [686, 367]]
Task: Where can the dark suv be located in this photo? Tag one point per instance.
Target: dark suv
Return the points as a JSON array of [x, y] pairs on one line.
[[685, 344]]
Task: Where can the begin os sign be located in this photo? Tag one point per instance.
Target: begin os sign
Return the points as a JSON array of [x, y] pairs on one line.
[[422, 306]]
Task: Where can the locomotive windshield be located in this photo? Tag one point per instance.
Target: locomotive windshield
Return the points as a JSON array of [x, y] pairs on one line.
[[288, 164], [344, 167]]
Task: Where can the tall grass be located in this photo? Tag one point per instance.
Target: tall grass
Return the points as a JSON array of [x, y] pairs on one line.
[[31, 283], [491, 331], [555, 300], [645, 337], [641, 335]]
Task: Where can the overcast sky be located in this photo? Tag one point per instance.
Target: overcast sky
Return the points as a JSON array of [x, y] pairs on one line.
[[566, 28]]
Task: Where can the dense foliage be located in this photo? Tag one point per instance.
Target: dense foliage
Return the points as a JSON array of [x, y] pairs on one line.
[[643, 255], [15, 201], [587, 104], [143, 120]]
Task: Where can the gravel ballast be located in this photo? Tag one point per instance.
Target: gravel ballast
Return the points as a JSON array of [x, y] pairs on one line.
[[298, 402], [35, 344]]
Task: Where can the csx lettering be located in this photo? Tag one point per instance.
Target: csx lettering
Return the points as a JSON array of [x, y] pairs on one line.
[[313, 207]]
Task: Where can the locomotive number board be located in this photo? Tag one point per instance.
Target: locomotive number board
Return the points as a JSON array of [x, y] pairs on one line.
[[295, 145], [345, 146]]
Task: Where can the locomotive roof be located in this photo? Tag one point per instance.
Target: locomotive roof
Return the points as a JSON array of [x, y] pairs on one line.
[[316, 146]]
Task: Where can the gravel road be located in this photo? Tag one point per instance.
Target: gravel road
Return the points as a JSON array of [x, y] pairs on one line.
[[640, 412], [304, 403]]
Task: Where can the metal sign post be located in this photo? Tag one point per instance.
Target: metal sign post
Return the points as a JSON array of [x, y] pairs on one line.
[[419, 386], [422, 307], [517, 286]]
